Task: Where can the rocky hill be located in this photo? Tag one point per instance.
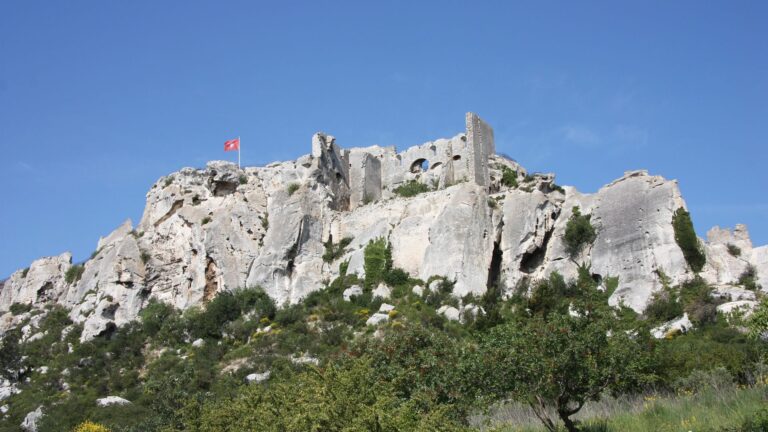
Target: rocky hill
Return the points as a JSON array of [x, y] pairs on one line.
[[450, 207]]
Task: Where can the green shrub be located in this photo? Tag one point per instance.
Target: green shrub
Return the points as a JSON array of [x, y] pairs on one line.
[[335, 251], [20, 308], [74, 273], [699, 381], [292, 188], [396, 277], [168, 181], [685, 236], [578, 232], [411, 188], [243, 179], [663, 306], [508, 177], [205, 220], [734, 250], [748, 278], [145, 256], [24, 272], [377, 261]]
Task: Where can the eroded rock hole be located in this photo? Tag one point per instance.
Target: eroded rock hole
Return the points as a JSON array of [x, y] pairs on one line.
[[211, 282], [494, 271], [44, 293], [533, 260]]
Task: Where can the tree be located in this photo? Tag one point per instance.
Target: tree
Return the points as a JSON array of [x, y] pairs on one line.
[[578, 232], [560, 360], [10, 355], [685, 236]]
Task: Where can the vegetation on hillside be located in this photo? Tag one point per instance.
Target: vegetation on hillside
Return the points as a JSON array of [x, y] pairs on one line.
[[685, 236], [555, 347], [579, 232]]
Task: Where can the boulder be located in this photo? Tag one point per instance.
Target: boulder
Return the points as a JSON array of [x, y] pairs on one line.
[[678, 325], [256, 378], [111, 400], [418, 290], [449, 312], [32, 420], [354, 290], [382, 291], [742, 307]]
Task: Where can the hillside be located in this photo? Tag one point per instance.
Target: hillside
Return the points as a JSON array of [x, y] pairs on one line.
[[340, 249]]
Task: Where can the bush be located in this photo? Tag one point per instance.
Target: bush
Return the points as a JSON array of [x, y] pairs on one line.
[[685, 236], [243, 179], [748, 279], [377, 261], [578, 232], [663, 306], [74, 273], [88, 426], [20, 308], [698, 381], [396, 277], [205, 220], [292, 188], [508, 177], [734, 250], [335, 251], [411, 188]]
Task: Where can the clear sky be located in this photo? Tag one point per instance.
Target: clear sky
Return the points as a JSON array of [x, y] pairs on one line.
[[98, 99]]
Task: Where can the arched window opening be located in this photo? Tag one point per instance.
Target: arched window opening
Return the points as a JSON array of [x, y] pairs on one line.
[[419, 165]]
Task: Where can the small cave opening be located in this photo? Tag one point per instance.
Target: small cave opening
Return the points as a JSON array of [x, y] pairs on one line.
[[109, 311], [533, 260], [44, 293], [108, 331], [220, 188], [436, 165], [456, 157], [419, 165], [494, 271]]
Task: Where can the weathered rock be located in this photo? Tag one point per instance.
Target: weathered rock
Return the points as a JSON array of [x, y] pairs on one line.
[[449, 312], [354, 290], [678, 325], [743, 308], [32, 420], [221, 228], [730, 293], [382, 291], [111, 400], [198, 343], [418, 290], [256, 378]]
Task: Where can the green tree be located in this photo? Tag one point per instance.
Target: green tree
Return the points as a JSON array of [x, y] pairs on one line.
[[563, 359], [10, 355], [579, 232], [377, 261], [685, 236]]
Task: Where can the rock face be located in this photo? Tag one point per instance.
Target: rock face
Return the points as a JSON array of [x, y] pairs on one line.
[[221, 228]]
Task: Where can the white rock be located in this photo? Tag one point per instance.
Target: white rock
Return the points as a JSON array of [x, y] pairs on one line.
[[450, 312], [257, 377], [435, 285], [7, 390], [418, 290], [470, 311], [354, 290], [682, 325], [742, 307], [377, 318], [384, 308], [382, 291], [32, 420], [198, 343], [732, 293], [111, 400], [3, 409], [306, 359]]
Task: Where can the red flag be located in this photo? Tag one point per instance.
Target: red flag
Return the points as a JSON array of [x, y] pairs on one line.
[[231, 145]]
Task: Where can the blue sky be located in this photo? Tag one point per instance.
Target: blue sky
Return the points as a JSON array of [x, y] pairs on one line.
[[99, 99]]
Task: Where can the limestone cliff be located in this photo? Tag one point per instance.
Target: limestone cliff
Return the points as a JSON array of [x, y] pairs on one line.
[[221, 228]]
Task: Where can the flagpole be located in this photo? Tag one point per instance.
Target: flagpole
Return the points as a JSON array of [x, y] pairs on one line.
[[239, 143]]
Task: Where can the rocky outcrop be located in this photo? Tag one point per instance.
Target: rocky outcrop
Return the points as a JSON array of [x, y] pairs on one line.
[[220, 228]]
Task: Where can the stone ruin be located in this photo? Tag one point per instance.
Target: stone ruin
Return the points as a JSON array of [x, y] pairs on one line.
[[366, 174]]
